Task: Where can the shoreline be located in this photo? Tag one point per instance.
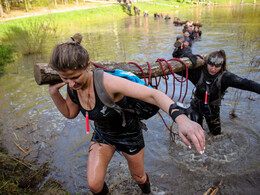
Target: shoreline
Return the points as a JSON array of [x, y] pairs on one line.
[[38, 11]]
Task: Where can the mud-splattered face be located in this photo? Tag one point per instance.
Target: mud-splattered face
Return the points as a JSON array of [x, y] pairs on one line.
[[213, 69]]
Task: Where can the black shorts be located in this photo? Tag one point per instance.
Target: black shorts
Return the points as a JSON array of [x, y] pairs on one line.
[[130, 145]]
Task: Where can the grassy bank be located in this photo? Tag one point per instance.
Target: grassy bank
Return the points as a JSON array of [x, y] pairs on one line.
[[27, 35], [112, 12], [91, 12]]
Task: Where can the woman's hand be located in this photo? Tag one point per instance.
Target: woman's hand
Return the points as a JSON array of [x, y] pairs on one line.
[[53, 89], [191, 129], [68, 108]]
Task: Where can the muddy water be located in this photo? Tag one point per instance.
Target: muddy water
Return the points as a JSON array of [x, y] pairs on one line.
[[29, 118]]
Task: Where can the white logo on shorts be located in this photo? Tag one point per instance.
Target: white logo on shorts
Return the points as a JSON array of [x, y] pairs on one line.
[[132, 150]]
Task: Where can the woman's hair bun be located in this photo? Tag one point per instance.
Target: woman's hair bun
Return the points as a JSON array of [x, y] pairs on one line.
[[77, 37]]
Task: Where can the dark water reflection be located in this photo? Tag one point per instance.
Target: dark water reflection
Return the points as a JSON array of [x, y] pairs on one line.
[[28, 116]]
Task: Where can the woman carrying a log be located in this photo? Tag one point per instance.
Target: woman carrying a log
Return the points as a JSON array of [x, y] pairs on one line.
[[182, 49], [210, 83], [71, 61]]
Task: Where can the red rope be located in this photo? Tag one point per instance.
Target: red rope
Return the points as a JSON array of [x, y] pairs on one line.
[[181, 81], [164, 75], [200, 56], [177, 59], [156, 83], [140, 69], [167, 125], [98, 65]]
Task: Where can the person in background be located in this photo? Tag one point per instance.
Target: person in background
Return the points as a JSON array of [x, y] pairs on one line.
[[146, 13], [197, 32], [191, 32], [182, 49], [210, 83], [178, 47], [187, 52], [167, 17], [71, 61], [156, 15], [187, 38]]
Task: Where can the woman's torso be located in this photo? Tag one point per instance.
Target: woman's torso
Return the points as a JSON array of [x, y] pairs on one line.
[[107, 120]]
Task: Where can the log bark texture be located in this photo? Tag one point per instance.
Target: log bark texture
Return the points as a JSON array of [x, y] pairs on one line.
[[44, 74]]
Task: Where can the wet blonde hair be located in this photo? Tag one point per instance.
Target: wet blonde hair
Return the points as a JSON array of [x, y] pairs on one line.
[[69, 55]]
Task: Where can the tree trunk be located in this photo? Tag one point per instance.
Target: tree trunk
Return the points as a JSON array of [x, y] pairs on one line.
[[43, 74], [7, 6], [1, 10], [55, 3], [26, 6]]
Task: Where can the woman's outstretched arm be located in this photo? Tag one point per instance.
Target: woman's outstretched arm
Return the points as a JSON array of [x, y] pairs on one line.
[[118, 87]]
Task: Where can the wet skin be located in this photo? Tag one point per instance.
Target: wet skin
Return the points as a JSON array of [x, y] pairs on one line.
[[213, 69], [76, 79]]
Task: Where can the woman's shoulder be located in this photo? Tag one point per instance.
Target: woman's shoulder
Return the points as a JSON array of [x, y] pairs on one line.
[[229, 78], [228, 74]]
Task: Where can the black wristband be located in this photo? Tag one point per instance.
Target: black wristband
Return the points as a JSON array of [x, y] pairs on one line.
[[177, 105], [177, 113], [172, 106]]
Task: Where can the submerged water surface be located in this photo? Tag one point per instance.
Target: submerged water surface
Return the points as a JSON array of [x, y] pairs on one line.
[[29, 117]]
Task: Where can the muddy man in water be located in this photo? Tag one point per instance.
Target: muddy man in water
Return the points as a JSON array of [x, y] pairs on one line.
[[71, 61], [210, 83]]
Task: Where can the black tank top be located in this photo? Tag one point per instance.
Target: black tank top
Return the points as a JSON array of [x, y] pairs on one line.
[[107, 120]]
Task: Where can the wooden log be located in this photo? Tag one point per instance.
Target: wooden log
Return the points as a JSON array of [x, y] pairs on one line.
[[197, 24], [178, 22], [44, 74]]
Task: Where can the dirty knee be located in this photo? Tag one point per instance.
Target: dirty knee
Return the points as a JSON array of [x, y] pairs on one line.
[[140, 179]]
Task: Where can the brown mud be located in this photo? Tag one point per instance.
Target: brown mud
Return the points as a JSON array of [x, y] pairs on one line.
[[20, 177]]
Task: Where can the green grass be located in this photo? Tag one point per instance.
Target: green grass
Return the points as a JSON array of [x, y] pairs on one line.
[[87, 16], [234, 1], [101, 14], [91, 15], [29, 36], [6, 55], [159, 6]]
